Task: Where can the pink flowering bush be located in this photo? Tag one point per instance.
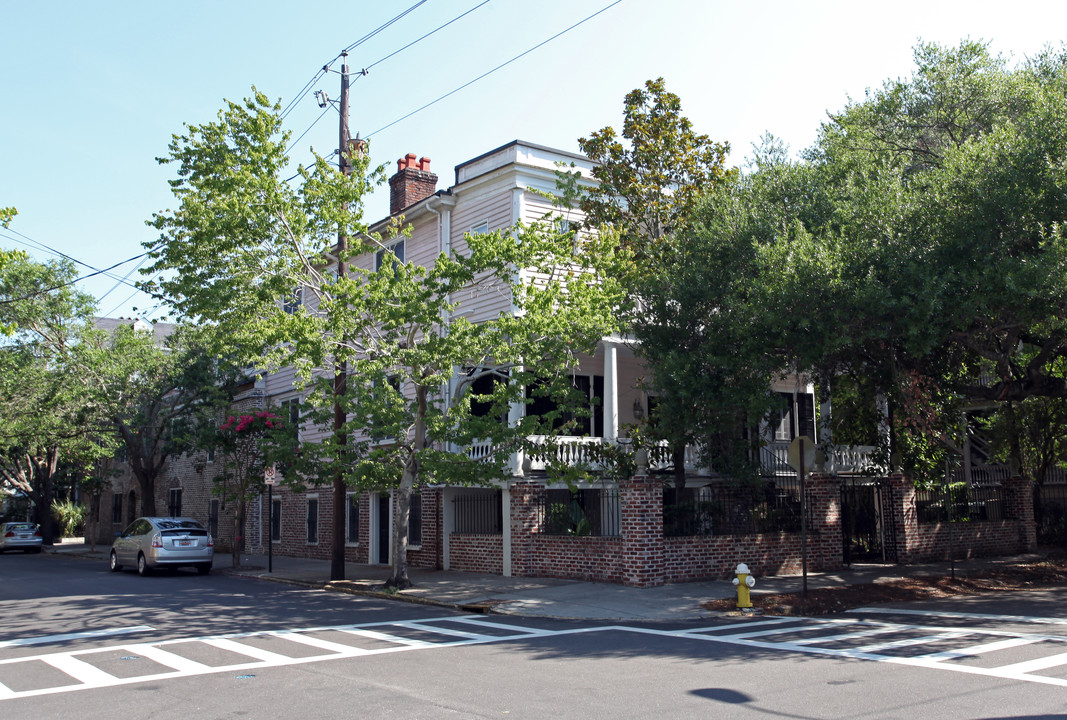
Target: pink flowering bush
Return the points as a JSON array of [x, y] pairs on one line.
[[259, 422]]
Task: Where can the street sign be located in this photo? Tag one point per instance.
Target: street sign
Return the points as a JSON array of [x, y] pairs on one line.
[[801, 449], [270, 473]]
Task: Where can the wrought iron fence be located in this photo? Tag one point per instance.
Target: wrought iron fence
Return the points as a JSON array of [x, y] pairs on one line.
[[593, 512], [733, 509], [1050, 512], [960, 502], [479, 513]]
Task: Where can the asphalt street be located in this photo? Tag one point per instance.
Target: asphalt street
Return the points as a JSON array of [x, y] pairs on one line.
[[77, 639]]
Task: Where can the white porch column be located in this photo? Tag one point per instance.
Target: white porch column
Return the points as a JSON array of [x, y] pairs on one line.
[[611, 392], [516, 412]]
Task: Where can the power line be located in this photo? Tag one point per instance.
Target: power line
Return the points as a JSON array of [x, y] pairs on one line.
[[379, 29], [436, 29], [37, 293], [38, 245], [325, 68], [498, 67]]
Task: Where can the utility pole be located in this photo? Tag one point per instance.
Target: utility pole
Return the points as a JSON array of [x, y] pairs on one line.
[[340, 376]]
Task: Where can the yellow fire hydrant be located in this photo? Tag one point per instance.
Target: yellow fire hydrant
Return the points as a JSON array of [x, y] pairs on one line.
[[743, 582]]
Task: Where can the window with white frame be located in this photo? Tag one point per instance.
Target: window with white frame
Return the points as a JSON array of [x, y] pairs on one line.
[[290, 412], [313, 520], [587, 392], [352, 519], [394, 251], [481, 228]]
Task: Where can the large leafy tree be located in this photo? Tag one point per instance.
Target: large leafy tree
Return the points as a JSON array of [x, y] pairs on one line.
[[242, 239], [651, 178], [156, 394], [45, 422], [920, 242]]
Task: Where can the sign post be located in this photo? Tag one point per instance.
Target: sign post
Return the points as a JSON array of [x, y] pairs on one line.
[[801, 457], [270, 473]]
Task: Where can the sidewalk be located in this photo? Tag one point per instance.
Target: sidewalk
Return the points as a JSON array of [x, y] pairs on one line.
[[549, 597]]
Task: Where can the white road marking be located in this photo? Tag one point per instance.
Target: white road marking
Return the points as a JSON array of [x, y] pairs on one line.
[[86, 676], [168, 659], [984, 648], [242, 649], [964, 616], [80, 670], [75, 636], [907, 642], [1029, 666], [318, 642], [846, 636], [374, 635]]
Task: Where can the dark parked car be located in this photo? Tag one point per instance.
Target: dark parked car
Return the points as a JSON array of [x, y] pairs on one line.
[[20, 536], [154, 542]]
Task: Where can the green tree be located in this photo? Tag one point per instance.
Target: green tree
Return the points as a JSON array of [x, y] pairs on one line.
[[242, 240], [651, 180], [919, 242], [43, 417], [156, 395]]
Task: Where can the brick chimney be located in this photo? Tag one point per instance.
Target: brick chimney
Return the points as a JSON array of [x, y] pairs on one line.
[[413, 182]]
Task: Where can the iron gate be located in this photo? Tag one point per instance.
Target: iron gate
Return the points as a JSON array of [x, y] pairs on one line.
[[867, 530]]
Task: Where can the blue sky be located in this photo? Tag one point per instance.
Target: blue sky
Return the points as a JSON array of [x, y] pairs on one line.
[[93, 91]]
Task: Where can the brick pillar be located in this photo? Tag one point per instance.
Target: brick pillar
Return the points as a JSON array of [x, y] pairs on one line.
[[641, 501], [524, 523], [1019, 497], [825, 544], [902, 510]]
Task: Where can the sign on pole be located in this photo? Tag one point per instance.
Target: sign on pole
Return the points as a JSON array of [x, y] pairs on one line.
[[270, 473]]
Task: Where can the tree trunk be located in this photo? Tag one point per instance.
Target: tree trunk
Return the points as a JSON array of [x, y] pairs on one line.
[[402, 510], [401, 518], [238, 544]]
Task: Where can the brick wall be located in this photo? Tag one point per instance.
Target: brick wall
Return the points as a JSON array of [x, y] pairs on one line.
[[924, 542], [597, 559], [476, 553]]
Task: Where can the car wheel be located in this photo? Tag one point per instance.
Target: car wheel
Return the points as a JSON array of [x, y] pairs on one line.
[[203, 568], [114, 562], [142, 565]]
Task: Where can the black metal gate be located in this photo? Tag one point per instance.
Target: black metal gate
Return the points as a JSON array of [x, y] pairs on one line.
[[867, 530]]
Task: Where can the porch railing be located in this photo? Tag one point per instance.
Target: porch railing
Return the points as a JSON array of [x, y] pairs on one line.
[[573, 450]]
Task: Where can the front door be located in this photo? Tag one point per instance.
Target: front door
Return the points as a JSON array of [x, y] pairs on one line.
[[383, 529]]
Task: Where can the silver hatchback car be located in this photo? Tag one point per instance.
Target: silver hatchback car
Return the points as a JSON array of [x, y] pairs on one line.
[[23, 536], [153, 542]]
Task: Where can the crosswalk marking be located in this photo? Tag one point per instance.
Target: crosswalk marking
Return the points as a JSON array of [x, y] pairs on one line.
[[983, 648], [169, 659], [319, 643], [250, 650], [446, 631], [907, 642], [821, 636], [846, 636], [80, 670], [1030, 666], [375, 635]]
